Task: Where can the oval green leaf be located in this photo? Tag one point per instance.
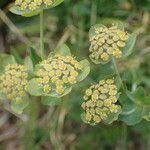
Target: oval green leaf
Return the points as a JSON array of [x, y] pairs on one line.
[[50, 101], [85, 70], [133, 117], [113, 117], [127, 50], [54, 94], [29, 64], [63, 50], [112, 21], [33, 88], [20, 106]]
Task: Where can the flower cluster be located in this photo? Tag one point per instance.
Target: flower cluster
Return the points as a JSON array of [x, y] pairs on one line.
[[13, 82], [32, 4], [107, 42], [100, 101], [58, 72]]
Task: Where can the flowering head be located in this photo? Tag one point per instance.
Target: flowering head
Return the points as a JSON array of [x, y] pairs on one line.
[[32, 4], [107, 42], [57, 73], [13, 82], [100, 101]]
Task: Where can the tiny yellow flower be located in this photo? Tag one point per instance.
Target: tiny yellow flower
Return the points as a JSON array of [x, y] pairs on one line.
[[88, 92], [46, 89], [104, 56]]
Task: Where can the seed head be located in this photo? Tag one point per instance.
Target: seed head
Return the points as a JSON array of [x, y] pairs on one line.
[[58, 72], [107, 42], [100, 101], [13, 82]]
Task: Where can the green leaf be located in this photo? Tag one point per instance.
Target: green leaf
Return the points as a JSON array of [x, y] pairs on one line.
[[29, 64], [139, 97], [145, 100], [133, 117], [50, 101], [28, 13], [92, 29], [112, 21], [127, 50], [54, 94], [56, 3], [85, 70], [146, 113], [113, 117], [139, 92], [34, 56], [5, 60], [118, 82], [63, 50], [16, 55], [20, 106], [33, 88]]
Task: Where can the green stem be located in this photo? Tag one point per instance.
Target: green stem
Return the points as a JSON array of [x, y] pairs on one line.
[[117, 72], [41, 35], [119, 78], [124, 126], [124, 137], [148, 141]]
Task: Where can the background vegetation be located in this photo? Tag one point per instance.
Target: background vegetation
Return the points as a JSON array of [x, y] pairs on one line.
[[60, 127]]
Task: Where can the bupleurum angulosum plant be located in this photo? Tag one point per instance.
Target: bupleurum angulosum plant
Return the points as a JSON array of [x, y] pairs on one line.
[[55, 76]]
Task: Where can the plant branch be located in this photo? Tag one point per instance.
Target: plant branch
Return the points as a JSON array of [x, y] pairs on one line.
[[13, 28], [41, 34], [117, 72], [124, 137]]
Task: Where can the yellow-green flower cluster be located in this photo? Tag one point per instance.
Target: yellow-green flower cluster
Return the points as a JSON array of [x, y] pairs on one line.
[[32, 4], [13, 82], [100, 101], [107, 42], [57, 73]]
